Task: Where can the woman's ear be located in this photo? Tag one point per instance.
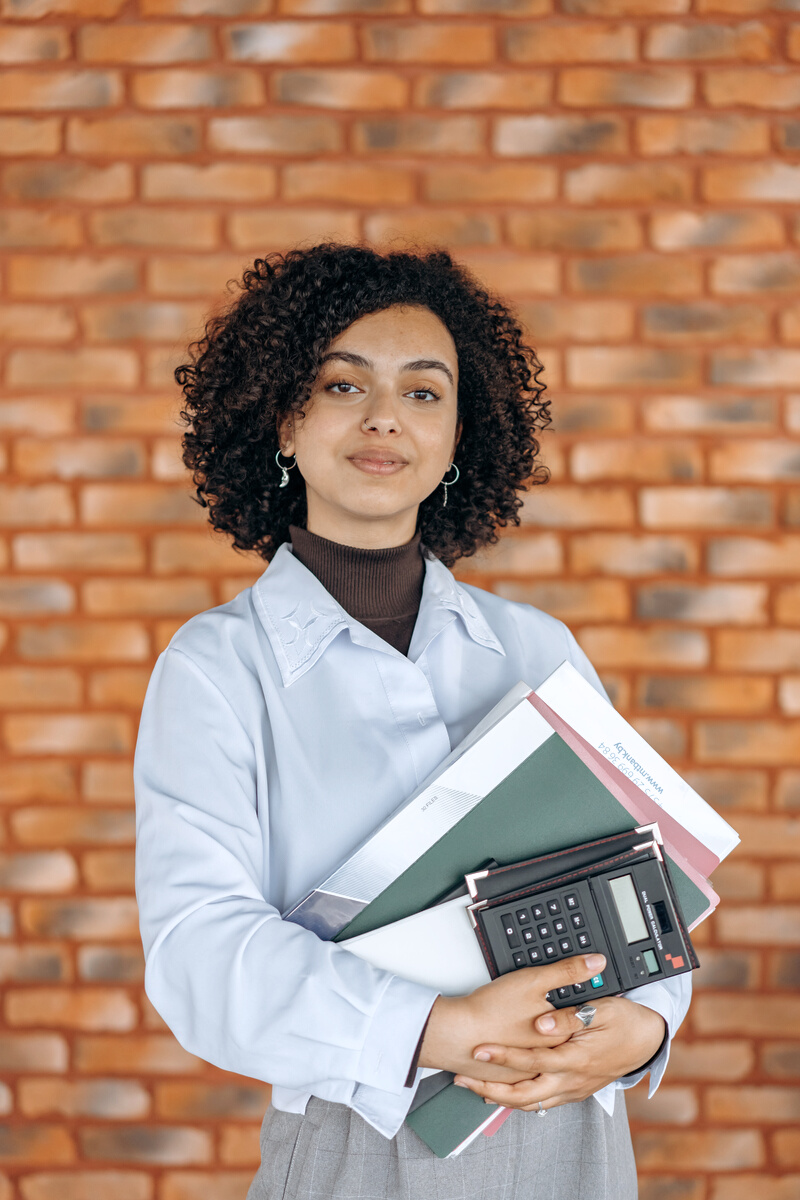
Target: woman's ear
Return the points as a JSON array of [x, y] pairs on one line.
[[459, 431], [286, 434]]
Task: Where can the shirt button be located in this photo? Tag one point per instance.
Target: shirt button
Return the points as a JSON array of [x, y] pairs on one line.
[[421, 719]]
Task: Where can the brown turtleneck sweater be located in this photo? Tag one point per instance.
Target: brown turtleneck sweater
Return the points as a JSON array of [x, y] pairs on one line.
[[380, 588]]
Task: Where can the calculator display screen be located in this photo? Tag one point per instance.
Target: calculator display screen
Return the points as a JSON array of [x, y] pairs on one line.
[[651, 962], [627, 902]]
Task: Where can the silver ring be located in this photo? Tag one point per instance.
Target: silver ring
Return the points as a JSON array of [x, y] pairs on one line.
[[586, 1014], [541, 1112]]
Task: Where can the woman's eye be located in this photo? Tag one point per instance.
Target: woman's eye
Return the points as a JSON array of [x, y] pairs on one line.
[[341, 383], [421, 393]]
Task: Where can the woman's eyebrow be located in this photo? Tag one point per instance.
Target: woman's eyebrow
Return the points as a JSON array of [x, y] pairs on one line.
[[419, 364]]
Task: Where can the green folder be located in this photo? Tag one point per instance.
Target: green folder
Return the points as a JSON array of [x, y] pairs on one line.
[[550, 802]]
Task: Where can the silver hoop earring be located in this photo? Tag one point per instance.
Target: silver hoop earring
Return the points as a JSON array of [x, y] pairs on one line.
[[450, 482], [285, 477]]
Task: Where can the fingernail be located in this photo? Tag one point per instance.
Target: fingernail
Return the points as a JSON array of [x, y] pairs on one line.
[[459, 1084], [547, 1023], [594, 961], [483, 1055]]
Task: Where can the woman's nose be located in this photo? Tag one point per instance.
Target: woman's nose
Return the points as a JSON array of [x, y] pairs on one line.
[[382, 417]]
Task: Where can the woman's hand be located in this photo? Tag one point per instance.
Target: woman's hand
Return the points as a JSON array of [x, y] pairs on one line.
[[622, 1037], [502, 1012]]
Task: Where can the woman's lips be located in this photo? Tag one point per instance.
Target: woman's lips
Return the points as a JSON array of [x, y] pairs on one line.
[[378, 466]]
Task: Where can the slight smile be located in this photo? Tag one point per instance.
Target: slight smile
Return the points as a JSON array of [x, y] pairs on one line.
[[378, 463]]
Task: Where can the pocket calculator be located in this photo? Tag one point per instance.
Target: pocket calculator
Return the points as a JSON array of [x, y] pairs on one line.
[[621, 905]]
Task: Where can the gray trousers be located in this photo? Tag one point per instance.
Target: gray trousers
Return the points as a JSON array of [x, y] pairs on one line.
[[331, 1153]]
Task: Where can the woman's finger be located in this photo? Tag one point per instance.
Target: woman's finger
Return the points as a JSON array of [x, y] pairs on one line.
[[560, 1023], [513, 1057], [513, 1095]]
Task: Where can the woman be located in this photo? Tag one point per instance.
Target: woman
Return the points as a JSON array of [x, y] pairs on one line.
[[362, 421]]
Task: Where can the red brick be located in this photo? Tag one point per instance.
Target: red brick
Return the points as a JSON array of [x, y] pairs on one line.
[[43, 44], [24, 781], [33, 1052], [775, 181], [89, 734], [749, 42], [108, 870], [689, 414], [71, 1008], [574, 507], [107, 782], [761, 926], [83, 367], [43, 504], [107, 597], [739, 881], [240, 1144], [789, 322], [32, 963], [723, 133], [789, 695], [54, 872], [671, 1105], [115, 1098], [744, 1187], [553, 135], [754, 556], [574, 231], [654, 87], [704, 507], [292, 135], [755, 87], [703, 1060], [705, 320], [29, 135], [571, 601], [768, 649], [709, 1150], [756, 273], [73, 459], [292, 41], [341, 89], [462, 229], [428, 42], [531, 554], [84, 642], [611, 366], [228, 589], [709, 694], [205, 8], [38, 826], [69, 181], [134, 136], [142, 43], [636, 275], [630, 459], [577, 320], [495, 8], [146, 1054], [346, 182], [108, 918], [111, 964], [80, 551], [39, 687], [627, 554], [760, 462], [65, 89], [786, 1148], [218, 181], [721, 604], [623, 8], [483, 90], [154, 227], [787, 605], [629, 183], [418, 135], [490, 184], [188, 1185], [179, 88], [569, 42], [138, 503], [515, 274], [68, 275], [20, 229], [197, 1100], [36, 323], [200, 553], [645, 648], [146, 1144], [37, 1143], [781, 1060], [784, 879], [685, 230], [757, 743], [756, 368], [153, 321]]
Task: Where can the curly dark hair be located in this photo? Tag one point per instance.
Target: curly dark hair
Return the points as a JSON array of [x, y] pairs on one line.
[[257, 362]]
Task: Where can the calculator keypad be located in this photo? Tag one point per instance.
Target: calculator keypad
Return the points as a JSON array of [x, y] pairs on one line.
[[540, 940]]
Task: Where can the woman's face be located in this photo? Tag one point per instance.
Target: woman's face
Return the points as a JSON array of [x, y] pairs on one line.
[[380, 427]]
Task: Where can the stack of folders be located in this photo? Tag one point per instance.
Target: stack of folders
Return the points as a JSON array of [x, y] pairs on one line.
[[544, 771]]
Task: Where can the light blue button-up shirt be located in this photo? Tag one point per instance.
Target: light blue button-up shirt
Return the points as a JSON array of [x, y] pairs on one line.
[[277, 732]]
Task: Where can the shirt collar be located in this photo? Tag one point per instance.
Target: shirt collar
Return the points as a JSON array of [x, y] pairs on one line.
[[301, 618]]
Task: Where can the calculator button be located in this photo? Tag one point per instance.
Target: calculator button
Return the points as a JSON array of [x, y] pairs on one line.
[[565, 945], [511, 932], [522, 916], [560, 926], [553, 907], [584, 940], [577, 920], [535, 954], [528, 935], [550, 950], [571, 901], [519, 959], [597, 981], [538, 912], [544, 931], [579, 988], [563, 993]]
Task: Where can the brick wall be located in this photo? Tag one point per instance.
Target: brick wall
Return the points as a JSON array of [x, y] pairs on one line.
[[627, 172]]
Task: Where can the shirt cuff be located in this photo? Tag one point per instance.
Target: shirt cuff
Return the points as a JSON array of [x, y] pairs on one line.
[[394, 1030], [661, 1000]]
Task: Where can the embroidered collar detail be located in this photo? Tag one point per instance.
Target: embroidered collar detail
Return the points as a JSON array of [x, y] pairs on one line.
[[301, 618]]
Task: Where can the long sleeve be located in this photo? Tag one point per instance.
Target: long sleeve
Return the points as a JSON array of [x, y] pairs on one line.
[[237, 985]]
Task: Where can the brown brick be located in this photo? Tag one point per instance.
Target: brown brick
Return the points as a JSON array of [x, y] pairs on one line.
[[87, 458], [134, 597], [574, 231], [715, 694], [573, 507], [531, 554], [20, 229], [191, 275], [684, 230], [199, 553], [703, 1060], [552, 135], [39, 687], [132, 503], [293, 135], [151, 1144], [645, 648], [264, 229], [292, 41], [418, 135], [155, 321], [494, 8], [456, 228], [722, 133], [143, 43], [483, 90], [189, 1185], [708, 1150], [149, 227], [20, 596], [32, 275], [134, 1053], [636, 183], [623, 8], [60, 89], [781, 1060], [428, 42], [756, 87], [108, 918], [108, 870], [54, 872], [755, 368], [341, 89], [630, 459], [727, 969], [775, 181], [704, 507], [36, 323], [611, 366], [71, 1008], [84, 641], [107, 782], [577, 320], [70, 826], [625, 554], [739, 881], [37, 1143], [571, 43], [343, 182], [181, 88], [24, 781], [571, 601], [83, 367], [746, 414], [217, 181], [111, 964], [240, 1144], [756, 273], [750, 42], [761, 926], [42, 504], [768, 649], [636, 275], [69, 181], [742, 1187], [705, 320], [762, 462], [721, 604], [34, 963], [34, 415], [33, 1052], [29, 135], [115, 1098], [515, 274], [754, 556], [789, 695], [134, 136], [757, 743], [196, 1100], [81, 551], [490, 184], [656, 87], [71, 734], [671, 1105]]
